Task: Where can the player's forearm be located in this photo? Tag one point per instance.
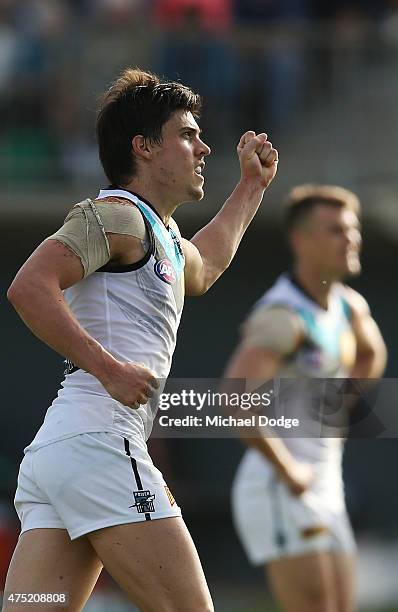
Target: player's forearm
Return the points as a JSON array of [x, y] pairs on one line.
[[273, 449], [218, 241], [42, 307], [370, 364]]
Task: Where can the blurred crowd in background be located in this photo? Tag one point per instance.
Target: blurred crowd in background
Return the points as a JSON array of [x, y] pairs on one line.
[[258, 59]]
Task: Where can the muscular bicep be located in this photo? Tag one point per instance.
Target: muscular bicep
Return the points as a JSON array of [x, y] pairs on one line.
[[371, 354], [55, 262], [365, 328], [52, 262]]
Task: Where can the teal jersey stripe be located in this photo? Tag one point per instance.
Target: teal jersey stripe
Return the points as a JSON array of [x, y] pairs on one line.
[[326, 336], [165, 238]]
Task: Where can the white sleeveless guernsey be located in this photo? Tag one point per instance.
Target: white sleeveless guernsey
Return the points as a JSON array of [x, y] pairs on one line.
[[134, 312]]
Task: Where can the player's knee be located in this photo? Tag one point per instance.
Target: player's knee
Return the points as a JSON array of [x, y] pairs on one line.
[[317, 599], [320, 604]]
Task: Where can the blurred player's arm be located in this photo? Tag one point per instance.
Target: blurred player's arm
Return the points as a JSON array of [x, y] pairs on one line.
[[36, 294], [371, 356], [269, 336], [212, 249]]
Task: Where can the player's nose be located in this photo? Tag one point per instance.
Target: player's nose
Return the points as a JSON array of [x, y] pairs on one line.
[[205, 149], [353, 237]]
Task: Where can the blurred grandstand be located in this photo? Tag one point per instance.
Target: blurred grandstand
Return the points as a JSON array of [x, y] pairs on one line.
[[320, 78]]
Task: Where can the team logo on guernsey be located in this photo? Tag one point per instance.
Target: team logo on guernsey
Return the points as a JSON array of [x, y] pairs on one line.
[[143, 501], [165, 271]]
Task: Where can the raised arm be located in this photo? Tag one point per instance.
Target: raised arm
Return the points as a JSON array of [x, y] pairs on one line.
[[212, 249], [36, 294]]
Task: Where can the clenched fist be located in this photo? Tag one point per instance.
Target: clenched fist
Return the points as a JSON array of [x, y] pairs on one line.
[[257, 157], [130, 383], [298, 477]]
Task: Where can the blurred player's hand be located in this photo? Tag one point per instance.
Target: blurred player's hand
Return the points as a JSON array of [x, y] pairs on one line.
[[257, 157], [130, 383], [298, 477]]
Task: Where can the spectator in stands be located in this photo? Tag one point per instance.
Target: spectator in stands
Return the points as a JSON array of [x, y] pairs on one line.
[[195, 47]]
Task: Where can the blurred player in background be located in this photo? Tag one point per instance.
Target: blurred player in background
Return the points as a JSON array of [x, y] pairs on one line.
[[106, 291], [288, 495]]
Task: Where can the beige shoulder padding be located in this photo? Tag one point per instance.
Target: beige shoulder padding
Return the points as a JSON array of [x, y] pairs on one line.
[[85, 228], [275, 328], [119, 218]]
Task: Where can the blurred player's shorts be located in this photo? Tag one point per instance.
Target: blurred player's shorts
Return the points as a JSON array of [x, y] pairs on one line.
[[272, 523]]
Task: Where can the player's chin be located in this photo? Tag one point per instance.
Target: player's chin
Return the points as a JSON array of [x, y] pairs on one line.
[[355, 270], [353, 267], [197, 194]]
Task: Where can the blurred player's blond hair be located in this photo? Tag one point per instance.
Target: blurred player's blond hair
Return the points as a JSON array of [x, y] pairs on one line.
[[301, 200]]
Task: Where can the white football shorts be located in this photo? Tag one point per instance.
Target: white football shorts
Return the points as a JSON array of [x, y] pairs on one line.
[[90, 481], [272, 523]]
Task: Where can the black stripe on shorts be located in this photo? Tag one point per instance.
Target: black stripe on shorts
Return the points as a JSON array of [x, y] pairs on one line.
[[280, 538], [135, 471]]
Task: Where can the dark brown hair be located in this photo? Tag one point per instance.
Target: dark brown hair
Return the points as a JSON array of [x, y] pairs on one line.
[[302, 200], [137, 103]]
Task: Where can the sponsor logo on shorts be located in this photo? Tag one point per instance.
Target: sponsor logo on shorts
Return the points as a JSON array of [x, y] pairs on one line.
[[143, 501], [165, 271], [170, 496]]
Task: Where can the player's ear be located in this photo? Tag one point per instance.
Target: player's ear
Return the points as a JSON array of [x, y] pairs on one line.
[[141, 147]]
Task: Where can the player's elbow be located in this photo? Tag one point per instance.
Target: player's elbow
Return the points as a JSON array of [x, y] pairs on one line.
[[196, 289], [16, 293], [382, 358], [211, 277], [200, 283], [372, 362], [201, 287], [197, 285], [20, 291]]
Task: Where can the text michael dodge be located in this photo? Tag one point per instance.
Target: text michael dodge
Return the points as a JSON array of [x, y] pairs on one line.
[[227, 421]]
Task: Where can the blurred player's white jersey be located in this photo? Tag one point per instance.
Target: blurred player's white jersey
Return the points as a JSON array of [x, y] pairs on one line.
[[328, 351], [134, 312]]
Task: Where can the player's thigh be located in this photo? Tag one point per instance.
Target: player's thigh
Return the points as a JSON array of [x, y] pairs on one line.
[[304, 583], [156, 564], [48, 561], [344, 577]]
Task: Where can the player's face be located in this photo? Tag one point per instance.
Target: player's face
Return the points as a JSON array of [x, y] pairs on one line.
[[334, 241], [179, 160]]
